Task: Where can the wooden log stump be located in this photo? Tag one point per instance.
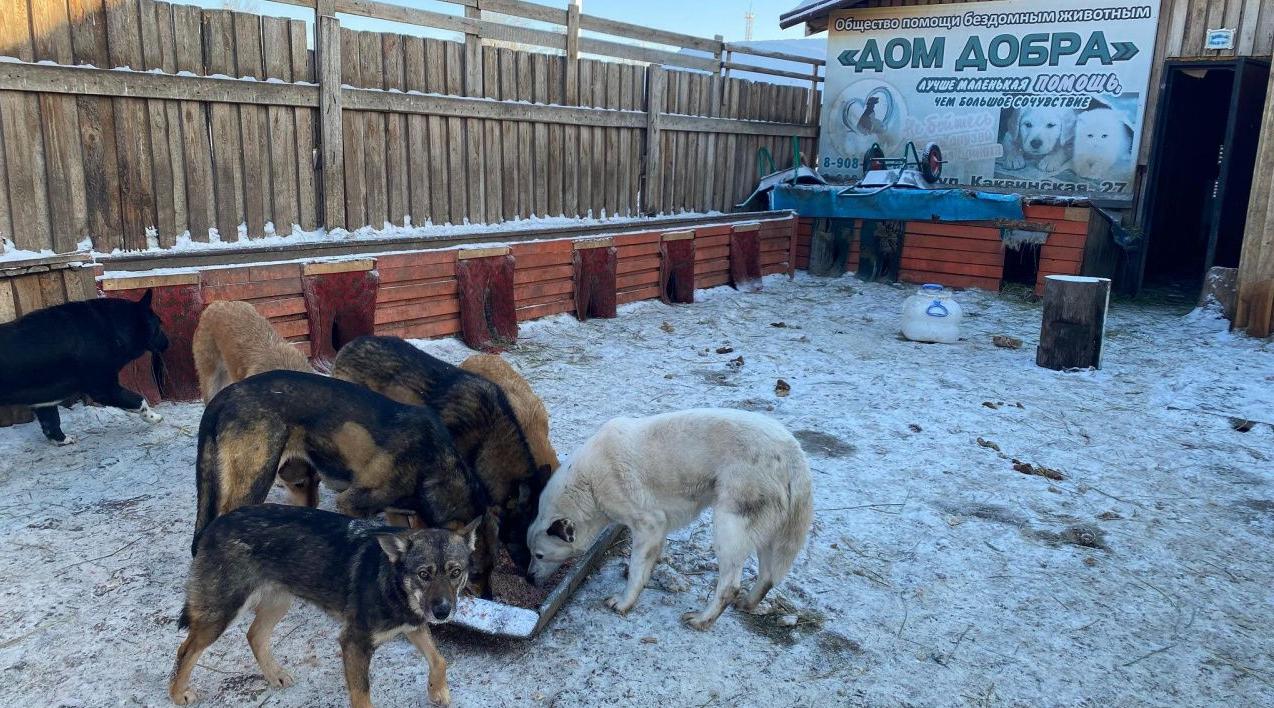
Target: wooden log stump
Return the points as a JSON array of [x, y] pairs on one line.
[[595, 264], [677, 267], [745, 257], [488, 320], [340, 303], [1074, 323], [1220, 286]]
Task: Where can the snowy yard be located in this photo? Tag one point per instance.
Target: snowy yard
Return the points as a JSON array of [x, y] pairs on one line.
[[935, 574]]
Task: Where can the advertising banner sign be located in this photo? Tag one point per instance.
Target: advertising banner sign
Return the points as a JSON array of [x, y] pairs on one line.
[[1029, 95]]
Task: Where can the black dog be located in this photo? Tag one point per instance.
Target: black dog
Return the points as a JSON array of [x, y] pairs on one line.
[[73, 350], [478, 416]]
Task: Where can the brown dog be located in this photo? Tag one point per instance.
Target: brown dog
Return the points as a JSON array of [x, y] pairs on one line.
[[232, 342], [527, 407]]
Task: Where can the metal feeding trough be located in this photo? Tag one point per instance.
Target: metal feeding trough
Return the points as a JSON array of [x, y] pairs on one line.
[[505, 620], [911, 171]]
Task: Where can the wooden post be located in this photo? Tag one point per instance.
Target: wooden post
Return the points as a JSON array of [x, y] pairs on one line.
[[812, 109], [331, 152], [656, 84], [570, 93], [1074, 322], [473, 81]]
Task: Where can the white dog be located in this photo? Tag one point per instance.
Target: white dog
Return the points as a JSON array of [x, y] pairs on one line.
[[1103, 144], [657, 474], [1043, 135]]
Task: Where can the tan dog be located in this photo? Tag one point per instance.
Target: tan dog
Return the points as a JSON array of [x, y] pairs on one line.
[[527, 406], [232, 342]]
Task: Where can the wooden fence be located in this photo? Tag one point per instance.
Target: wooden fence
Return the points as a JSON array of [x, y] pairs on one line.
[[134, 122]]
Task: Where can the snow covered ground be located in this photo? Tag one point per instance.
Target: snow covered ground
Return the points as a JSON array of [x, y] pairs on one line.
[[936, 574]]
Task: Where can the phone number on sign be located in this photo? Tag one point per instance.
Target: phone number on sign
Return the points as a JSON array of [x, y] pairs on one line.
[[841, 163]]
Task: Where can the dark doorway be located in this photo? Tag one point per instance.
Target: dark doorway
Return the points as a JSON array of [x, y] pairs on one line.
[[1201, 169]]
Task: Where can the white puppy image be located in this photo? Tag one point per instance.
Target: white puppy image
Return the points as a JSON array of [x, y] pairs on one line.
[[657, 474], [1041, 135], [1103, 144]]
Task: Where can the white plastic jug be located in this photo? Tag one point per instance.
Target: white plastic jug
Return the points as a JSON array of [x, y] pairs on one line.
[[931, 315]]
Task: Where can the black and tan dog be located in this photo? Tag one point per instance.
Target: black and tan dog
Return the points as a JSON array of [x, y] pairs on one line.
[[381, 455], [477, 414], [380, 581]]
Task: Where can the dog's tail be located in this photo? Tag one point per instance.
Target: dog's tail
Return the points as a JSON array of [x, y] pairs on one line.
[[789, 537], [207, 476]]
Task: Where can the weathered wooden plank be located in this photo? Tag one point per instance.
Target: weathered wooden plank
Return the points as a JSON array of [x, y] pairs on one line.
[[729, 164], [372, 75], [417, 132], [711, 193], [353, 130], [492, 138], [24, 146], [556, 69], [570, 81], [97, 130], [636, 139], [540, 134], [601, 185], [276, 46], [435, 75], [570, 139], [586, 178], [611, 157], [623, 157], [307, 178], [526, 139], [24, 162], [652, 191], [474, 129], [63, 161], [509, 136], [172, 117], [164, 184], [194, 125], [457, 166], [396, 176], [254, 126], [226, 143], [6, 219], [329, 44]]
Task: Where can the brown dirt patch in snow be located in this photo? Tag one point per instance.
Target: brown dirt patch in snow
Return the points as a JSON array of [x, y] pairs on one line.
[[823, 445]]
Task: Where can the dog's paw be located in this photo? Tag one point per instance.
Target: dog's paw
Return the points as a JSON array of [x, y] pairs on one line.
[[151, 416], [1053, 162], [1013, 162], [279, 679], [440, 695], [691, 619], [184, 697], [615, 604], [66, 440], [743, 605]]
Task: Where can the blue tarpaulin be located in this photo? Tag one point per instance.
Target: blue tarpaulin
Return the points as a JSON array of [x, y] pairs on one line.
[[822, 201]]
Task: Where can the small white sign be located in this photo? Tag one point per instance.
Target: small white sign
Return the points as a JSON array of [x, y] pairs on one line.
[[1219, 39]]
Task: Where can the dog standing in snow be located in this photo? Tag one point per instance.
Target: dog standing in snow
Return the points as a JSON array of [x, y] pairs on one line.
[[657, 474]]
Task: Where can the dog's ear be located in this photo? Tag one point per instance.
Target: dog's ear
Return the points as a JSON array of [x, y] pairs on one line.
[[563, 529], [145, 301], [470, 533], [542, 474], [393, 545]]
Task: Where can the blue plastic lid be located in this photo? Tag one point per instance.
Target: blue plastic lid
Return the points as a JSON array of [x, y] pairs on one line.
[[931, 287]]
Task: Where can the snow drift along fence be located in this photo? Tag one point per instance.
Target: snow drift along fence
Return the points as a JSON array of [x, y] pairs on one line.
[[120, 121]]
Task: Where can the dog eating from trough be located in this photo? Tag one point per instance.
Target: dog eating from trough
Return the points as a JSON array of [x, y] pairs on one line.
[[381, 456], [380, 581], [77, 349], [657, 474], [481, 422]]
